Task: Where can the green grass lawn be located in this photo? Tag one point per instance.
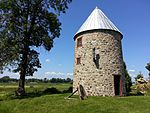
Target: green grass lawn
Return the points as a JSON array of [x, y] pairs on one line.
[[56, 103]]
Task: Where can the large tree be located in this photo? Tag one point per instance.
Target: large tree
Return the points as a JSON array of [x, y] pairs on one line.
[[24, 25]]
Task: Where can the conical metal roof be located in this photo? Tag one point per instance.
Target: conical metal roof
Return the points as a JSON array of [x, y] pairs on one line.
[[97, 20]]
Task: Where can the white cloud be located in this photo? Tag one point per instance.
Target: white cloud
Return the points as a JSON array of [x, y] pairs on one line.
[[16, 73], [69, 74], [47, 60], [131, 70], [58, 74], [10, 74], [48, 73], [132, 77], [54, 73]]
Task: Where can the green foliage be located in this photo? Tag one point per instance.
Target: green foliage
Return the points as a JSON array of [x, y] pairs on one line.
[[24, 25], [143, 89], [140, 75], [148, 67], [7, 79], [142, 86], [128, 82], [59, 80]]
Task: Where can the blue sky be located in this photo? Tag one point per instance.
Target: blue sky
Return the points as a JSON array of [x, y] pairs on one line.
[[132, 18]]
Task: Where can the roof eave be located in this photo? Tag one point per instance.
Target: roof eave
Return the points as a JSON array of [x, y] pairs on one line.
[[95, 30]]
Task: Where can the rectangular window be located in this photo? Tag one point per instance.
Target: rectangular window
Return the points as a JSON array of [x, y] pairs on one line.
[[79, 42], [78, 61]]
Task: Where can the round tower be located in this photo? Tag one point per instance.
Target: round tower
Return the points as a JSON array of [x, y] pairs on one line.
[[98, 65]]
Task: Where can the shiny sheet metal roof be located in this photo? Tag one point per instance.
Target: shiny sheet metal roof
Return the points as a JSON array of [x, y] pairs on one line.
[[97, 20]]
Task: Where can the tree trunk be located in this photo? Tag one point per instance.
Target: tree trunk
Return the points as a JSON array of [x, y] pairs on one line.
[[21, 89]]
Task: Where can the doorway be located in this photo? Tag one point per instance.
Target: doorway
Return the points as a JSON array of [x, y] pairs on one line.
[[117, 84]]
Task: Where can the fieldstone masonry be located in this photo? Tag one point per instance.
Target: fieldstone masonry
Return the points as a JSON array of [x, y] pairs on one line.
[[98, 77]]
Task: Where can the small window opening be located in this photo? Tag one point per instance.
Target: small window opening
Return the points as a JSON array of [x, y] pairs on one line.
[[79, 42], [78, 61]]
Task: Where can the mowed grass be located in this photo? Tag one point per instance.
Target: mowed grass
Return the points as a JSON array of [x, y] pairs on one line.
[[7, 89], [57, 103]]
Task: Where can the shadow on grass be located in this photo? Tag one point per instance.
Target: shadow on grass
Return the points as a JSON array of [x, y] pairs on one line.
[[47, 91], [135, 94]]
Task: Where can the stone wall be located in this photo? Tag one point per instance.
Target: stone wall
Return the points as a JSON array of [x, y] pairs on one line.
[[98, 77]]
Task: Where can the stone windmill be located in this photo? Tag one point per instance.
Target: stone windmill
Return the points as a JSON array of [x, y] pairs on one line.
[[98, 65]]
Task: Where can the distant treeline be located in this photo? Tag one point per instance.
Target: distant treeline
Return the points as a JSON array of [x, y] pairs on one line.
[[7, 79]]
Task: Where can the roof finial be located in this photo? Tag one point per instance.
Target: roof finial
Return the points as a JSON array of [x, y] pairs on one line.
[[96, 7]]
